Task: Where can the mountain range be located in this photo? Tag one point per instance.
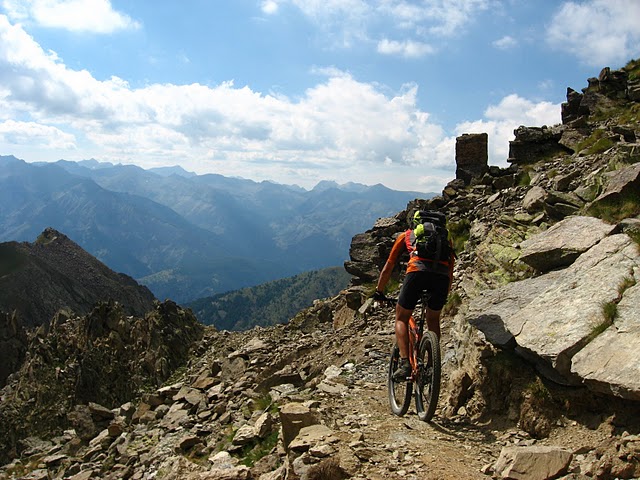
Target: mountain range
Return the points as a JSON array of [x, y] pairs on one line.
[[188, 236]]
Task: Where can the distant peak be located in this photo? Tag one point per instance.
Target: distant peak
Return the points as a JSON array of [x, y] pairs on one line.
[[49, 235], [173, 170], [324, 185], [10, 159]]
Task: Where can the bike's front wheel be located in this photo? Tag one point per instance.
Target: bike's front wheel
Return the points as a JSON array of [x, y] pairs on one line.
[[427, 383], [399, 392]]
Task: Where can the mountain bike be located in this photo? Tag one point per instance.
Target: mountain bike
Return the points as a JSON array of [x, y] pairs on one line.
[[424, 356]]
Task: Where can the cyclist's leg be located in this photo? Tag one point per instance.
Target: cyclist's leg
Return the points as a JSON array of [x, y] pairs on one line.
[[407, 300], [402, 329], [438, 288]]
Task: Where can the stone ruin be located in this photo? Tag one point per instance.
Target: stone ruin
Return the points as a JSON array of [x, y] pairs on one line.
[[471, 156]]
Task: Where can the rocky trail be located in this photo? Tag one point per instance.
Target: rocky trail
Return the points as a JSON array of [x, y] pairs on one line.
[[451, 446]]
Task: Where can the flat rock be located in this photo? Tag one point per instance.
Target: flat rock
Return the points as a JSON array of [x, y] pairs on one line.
[[311, 436], [532, 463], [561, 244]]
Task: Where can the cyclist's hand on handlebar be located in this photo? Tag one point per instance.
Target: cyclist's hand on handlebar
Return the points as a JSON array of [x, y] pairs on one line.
[[379, 296]]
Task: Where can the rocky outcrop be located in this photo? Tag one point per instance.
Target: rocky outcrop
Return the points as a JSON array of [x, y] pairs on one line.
[[105, 357], [13, 345], [551, 318], [533, 143]]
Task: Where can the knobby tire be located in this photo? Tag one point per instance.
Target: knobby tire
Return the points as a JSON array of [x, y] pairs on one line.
[[427, 385], [400, 393]]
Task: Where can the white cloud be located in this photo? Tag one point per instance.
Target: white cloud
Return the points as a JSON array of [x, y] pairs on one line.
[[34, 135], [599, 32], [269, 7], [94, 16], [505, 43], [437, 17], [502, 119], [340, 124], [407, 49], [346, 22]]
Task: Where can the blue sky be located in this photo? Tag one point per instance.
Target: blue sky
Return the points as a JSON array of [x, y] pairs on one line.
[[296, 91]]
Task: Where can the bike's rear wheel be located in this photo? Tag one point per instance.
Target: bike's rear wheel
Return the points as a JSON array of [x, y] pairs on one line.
[[427, 385], [399, 392]]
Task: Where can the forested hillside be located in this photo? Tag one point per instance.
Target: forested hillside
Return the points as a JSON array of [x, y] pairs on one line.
[[270, 303]]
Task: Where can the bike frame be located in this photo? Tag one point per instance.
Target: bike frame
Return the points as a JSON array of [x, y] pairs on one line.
[[416, 330]]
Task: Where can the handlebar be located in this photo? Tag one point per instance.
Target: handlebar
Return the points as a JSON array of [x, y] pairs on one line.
[[367, 305]]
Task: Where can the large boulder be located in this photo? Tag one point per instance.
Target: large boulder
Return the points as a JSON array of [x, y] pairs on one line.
[[533, 143], [550, 318], [622, 185], [471, 156]]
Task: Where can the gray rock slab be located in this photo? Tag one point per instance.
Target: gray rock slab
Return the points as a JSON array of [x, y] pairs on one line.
[[550, 318], [557, 323], [489, 311], [611, 362]]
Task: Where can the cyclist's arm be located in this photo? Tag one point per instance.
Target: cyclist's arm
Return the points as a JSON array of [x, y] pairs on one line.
[[398, 248]]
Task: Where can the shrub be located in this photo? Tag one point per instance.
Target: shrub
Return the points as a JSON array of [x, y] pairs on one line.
[[597, 142], [254, 452], [524, 179], [453, 302], [627, 282], [633, 69]]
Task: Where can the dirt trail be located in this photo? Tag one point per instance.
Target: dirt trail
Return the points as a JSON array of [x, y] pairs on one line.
[[392, 447], [405, 447]]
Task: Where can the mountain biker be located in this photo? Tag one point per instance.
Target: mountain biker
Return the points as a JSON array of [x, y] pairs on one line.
[[422, 274]]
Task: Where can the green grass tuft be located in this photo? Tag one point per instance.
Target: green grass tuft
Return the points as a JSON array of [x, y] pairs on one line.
[[254, 452], [616, 209], [460, 232], [609, 312]]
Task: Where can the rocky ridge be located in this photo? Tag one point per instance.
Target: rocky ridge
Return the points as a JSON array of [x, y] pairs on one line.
[[53, 272], [308, 399]]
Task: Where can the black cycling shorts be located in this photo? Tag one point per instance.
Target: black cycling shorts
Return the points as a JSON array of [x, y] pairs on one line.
[[415, 283]]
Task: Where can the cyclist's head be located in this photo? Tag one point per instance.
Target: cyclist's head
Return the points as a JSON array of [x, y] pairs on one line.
[[419, 216]]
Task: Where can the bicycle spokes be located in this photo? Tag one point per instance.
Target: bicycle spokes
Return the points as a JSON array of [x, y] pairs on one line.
[[400, 392]]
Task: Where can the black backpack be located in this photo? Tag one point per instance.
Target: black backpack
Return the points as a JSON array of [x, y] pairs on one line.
[[430, 237]]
